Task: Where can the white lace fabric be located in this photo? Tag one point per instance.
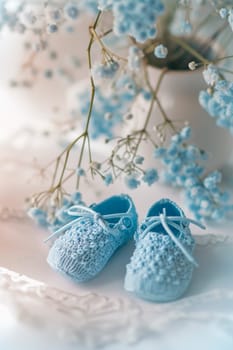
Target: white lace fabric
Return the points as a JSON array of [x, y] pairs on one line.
[[92, 320]]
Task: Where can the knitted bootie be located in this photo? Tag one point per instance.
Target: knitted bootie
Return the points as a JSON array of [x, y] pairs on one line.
[[162, 264], [89, 240]]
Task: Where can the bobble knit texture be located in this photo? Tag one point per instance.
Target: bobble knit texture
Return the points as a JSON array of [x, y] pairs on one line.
[[85, 248], [158, 270]]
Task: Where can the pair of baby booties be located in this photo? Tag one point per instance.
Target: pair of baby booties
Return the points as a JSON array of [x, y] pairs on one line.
[[161, 267]]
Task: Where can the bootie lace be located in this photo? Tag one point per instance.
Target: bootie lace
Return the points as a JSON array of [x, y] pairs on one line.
[[83, 212], [173, 222]]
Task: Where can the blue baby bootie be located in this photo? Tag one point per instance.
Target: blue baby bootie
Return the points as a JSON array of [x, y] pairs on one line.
[[92, 236], [162, 264]]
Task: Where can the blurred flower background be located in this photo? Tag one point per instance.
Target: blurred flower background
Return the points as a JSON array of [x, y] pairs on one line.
[[80, 84]]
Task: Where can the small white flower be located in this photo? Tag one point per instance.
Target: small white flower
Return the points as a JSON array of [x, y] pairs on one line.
[[192, 65]]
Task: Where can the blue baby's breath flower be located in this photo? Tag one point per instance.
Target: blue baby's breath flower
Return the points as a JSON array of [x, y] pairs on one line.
[[159, 152], [48, 73], [184, 167], [54, 15], [55, 217], [71, 10], [211, 74], [135, 58], [36, 212], [89, 5], [160, 51], [80, 172], [110, 105], [139, 159], [52, 28], [132, 182], [39, 215], [186, 27], [223, 12], [218, 100], [212, 180], [147, 95], [204, 98], [106, 70], [75, 198], [134, 18], [227, 14], [150, 176], [185, 133], [108, 179]]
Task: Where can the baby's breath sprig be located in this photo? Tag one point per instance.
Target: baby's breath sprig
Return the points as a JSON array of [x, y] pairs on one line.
[[165, 35], [56, 190], [125, 158]]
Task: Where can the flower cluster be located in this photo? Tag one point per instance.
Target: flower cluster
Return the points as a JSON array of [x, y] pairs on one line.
[[134, 18], [206, 200], [135, 57], [217, 100], [149, 176], [54, 217], [182, 161], [105, 70], [184, 167], [110, 105], [118, 79], [88, 5], [24, 15], [10, 18]]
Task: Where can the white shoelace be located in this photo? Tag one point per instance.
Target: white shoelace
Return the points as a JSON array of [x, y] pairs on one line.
[[84, 212], [167, 221]]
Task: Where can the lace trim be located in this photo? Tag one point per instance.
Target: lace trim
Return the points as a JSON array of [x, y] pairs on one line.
[[96, 320], [89, 319]]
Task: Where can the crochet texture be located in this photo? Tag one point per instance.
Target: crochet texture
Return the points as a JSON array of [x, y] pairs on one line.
[[87, 245], [159, 270]]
